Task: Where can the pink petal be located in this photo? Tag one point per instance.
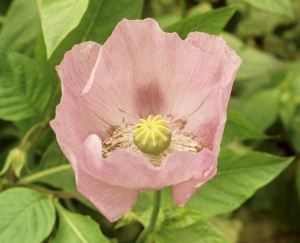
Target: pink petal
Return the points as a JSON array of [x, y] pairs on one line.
[[127, 169], [73, 122], [206, 122], [184, 190], [122, 168], [209, 121], [143, 71], [216, 46], [112, 201], [75, 69]]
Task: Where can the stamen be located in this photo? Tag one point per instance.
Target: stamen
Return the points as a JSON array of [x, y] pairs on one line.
[[123, 137]]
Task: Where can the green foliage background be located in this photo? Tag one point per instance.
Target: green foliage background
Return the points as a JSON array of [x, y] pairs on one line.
[[255, 196]]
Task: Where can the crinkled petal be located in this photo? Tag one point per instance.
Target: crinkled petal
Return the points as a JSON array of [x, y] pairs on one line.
[[142, 70], [127, 169], [112, 201], [209, 120], [182, 192], [73, 121], [75, 69]]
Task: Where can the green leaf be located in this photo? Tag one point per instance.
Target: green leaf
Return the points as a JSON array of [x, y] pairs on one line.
[[283, 7], [293, 128], [238, 129], [21, 28], [22, 93], [176, 217], [68, 14], [199, 232], [289, 107], [76, 228], [101, 18], [262, 108], [255, 63], [55, 170], [238, 177], [229, 226], [25, 215], [211, 22], [97, 24]]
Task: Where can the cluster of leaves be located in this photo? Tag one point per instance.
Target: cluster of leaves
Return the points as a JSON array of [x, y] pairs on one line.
[[38, 192]]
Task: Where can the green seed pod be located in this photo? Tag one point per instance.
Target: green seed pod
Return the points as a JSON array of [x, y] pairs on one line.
[[153, 135]]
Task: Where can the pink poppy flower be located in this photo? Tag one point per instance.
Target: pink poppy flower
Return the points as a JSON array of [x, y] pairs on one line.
[[180, 88]]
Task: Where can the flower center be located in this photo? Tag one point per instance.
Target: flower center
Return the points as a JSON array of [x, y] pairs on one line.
[[155, 138], [152, 136]]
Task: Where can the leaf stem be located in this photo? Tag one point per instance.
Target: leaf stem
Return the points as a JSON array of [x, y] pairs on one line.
[[37, 138], [27, 135], [56, 194], [154, 215], [27, 145], [41, 174]]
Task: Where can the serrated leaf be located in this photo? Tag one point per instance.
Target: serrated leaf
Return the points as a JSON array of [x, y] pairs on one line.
[[211, 22], [22, 93], [25, 215], [200, 232], [68, 14], [238, 129], [238, 177], [20, 30], [77, 228], [283, 7]]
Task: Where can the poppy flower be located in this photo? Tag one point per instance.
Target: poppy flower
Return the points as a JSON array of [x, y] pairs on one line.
[[144, 111]]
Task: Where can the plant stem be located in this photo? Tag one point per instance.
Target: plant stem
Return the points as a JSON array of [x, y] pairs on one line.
[[154, 215], [183, 8]]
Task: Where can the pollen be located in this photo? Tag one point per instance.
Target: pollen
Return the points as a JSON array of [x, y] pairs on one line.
[[152, 135]]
